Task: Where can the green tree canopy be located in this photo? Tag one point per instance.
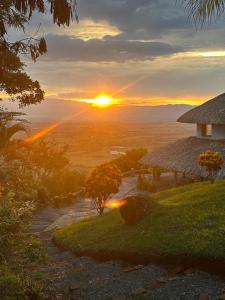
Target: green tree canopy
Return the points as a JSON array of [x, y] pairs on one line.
[[15, 14], [102, 182]]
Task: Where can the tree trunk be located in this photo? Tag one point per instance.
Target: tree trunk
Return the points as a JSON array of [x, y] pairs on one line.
[[175, 178], [212, 177]]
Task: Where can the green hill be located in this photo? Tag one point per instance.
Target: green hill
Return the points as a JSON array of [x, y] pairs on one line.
[[189, 220]]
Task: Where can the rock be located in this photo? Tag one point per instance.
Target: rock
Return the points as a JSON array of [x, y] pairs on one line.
[[139, 291], [188, 271], [75, 286], [222, 297], [131, 269], [173, 278], [204, 296], [179, 270], [162, 280], [120, 298]]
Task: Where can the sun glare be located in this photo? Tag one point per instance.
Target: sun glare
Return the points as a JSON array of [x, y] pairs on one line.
[[102, 100]]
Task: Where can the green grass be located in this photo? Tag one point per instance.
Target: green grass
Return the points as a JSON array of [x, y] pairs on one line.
[[189, 220]]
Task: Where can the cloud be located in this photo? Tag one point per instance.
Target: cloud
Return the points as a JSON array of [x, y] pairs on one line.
[[152, 18], [150, 32], [67, 48]]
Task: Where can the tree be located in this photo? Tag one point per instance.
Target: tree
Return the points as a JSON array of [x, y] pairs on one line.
[[130, 160], [212, 162], [16, 13], [204, 10], [103, 181], [45, 157]]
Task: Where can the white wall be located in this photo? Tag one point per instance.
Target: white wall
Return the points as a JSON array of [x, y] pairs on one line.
[[218, 132]]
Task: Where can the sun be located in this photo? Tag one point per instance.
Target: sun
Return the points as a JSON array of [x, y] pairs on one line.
[[102, 101]]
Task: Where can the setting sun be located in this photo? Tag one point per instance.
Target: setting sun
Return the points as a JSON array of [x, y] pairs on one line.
[[102, 100]]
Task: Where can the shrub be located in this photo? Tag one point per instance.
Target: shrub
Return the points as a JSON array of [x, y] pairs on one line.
[[212, 162], [13, 287], [10, 285], [136, 208], [18, 249], [36, 170], [68, 181]]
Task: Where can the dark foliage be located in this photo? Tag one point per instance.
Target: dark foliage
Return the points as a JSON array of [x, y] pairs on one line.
[[136, 208], [16, 13], [102, 182], [130, 160]]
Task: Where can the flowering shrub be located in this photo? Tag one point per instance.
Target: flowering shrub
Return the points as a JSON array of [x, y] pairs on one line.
[[212, 162]]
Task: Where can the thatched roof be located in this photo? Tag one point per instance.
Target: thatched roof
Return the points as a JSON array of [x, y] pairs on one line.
[[211, 112], [182, 155]]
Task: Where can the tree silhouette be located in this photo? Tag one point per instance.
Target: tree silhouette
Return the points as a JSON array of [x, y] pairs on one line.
[[15, 14], [10, 124], [205, 10]]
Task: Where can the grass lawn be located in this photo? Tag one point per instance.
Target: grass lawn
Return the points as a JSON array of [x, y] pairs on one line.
[[189, 220]]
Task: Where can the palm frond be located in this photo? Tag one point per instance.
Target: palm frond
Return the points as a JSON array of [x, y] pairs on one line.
[[14, 129], [205, 10]]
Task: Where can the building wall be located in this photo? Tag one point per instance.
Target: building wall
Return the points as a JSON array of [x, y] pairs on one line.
[[218, 132]]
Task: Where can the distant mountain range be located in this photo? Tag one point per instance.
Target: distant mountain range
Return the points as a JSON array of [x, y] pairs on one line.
[[56, 110]]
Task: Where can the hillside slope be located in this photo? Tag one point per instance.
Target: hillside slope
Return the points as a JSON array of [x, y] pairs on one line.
[[189, 220]]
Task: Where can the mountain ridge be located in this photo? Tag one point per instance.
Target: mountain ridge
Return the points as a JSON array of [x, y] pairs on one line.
[[56, 110]]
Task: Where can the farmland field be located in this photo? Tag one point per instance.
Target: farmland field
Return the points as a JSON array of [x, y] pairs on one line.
[[94, 143]]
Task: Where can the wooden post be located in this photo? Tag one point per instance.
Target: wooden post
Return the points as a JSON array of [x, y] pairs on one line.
[[175, 178], [158, 174], [154, 175]]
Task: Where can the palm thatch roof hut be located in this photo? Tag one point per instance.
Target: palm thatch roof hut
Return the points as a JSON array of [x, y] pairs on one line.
[[182, 155], [210, 112]]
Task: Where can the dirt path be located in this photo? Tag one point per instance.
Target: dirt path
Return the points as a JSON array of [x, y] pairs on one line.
[[84, 278]]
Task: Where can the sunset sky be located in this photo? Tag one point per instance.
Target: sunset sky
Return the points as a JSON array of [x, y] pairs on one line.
[[137, 51]]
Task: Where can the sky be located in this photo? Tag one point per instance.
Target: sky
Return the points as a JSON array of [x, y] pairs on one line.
[[140, 52]]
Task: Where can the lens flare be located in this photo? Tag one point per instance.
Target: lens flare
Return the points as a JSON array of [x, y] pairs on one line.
[[115, 203], [40, 134], [47, 130]]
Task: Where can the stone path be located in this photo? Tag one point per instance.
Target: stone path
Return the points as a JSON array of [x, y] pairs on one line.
[[86, 279]]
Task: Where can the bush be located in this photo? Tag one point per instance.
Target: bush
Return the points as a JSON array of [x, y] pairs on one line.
[[212, 162], [13, 287], [10, 285], [39, 173], [18, 249], [68, 181], [136, 208]]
